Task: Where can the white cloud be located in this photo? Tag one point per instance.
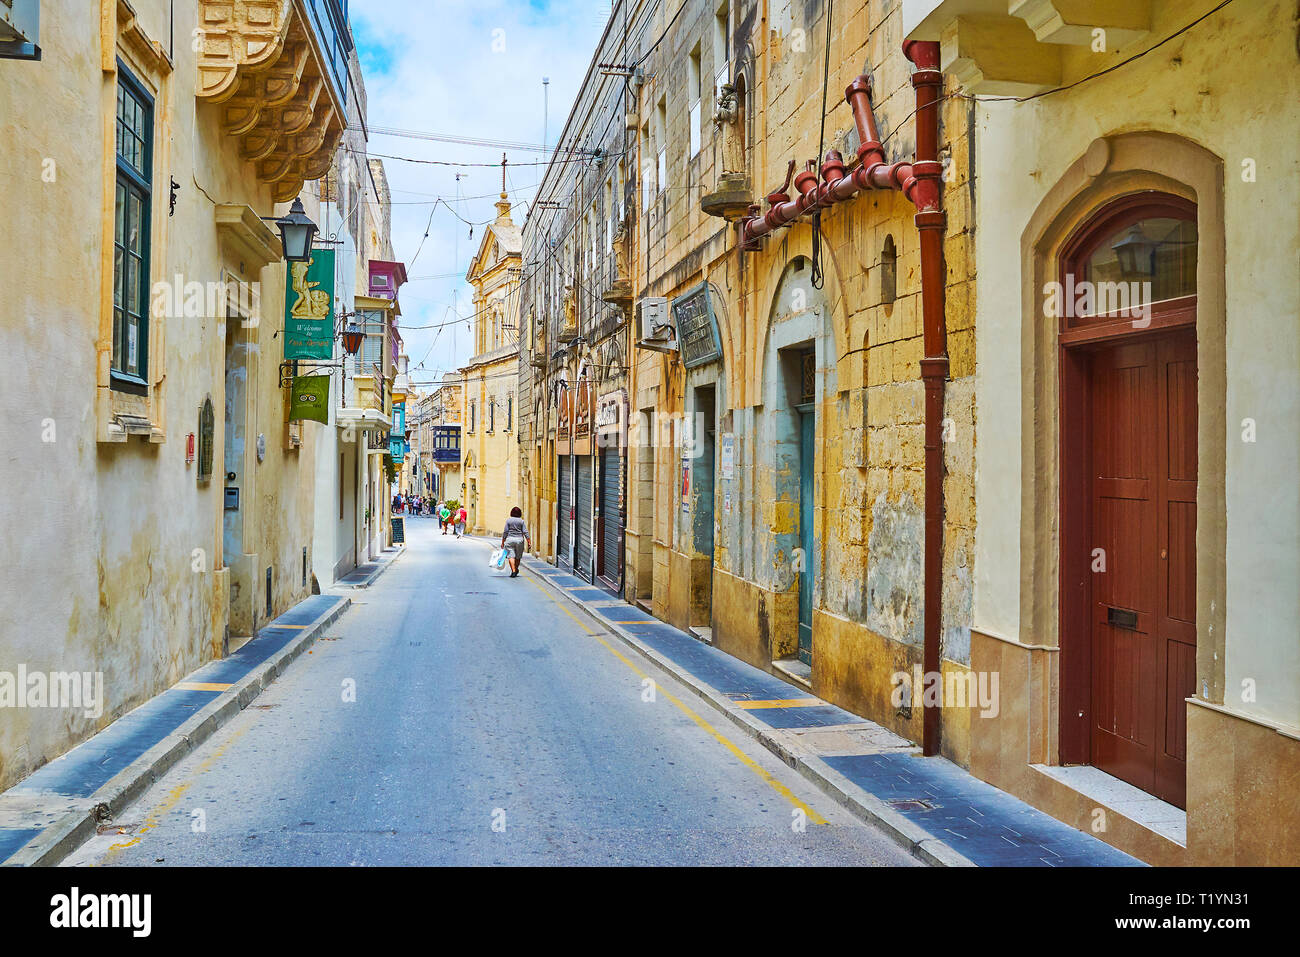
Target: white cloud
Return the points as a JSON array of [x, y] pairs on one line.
[[466, 68]]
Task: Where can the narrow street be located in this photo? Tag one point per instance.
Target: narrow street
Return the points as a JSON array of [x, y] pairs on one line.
[[490, 726], [893, 403]]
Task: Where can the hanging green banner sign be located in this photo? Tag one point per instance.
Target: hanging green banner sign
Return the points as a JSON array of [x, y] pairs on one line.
[[311, 399], [309, 308]]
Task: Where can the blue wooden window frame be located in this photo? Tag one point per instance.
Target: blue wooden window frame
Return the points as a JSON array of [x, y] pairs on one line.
[[133, 205]]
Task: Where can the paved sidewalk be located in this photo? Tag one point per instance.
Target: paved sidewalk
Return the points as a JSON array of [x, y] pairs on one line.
[[57, 807], [364, 575], [943, 814]]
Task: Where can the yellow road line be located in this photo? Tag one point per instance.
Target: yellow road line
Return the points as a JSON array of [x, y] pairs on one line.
[[744, 759], [780, 703], [173, 798], [199, 686]]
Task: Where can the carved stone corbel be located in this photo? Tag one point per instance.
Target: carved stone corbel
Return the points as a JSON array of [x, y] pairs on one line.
[[256, 58]]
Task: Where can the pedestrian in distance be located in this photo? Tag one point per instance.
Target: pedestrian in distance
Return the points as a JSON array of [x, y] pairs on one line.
[[461, 518], [514, 538], [445, 514]]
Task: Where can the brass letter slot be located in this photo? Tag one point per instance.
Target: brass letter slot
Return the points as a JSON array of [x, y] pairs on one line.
[[1122, 618]]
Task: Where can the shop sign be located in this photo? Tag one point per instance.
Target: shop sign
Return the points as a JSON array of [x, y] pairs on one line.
[[311, 399], [697, 327], [309, 308]]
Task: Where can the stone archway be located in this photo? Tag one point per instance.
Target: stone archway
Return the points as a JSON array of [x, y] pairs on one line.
[[798, 377]]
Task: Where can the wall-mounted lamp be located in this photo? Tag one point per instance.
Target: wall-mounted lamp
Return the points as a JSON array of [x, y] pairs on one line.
[[352, 337], [297, 232]]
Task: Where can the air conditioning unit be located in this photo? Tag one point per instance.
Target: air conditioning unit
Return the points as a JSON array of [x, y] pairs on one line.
[[654, 327], [20, 25]]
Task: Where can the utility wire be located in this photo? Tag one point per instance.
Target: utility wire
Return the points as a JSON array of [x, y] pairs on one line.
[[818, 279]]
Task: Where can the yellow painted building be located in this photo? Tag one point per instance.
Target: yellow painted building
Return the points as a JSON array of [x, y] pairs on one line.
[[446, 438], [490, 450], [175, 507], [1140, 607]]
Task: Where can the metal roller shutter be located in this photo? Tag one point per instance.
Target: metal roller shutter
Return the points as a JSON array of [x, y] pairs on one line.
[[582, 554], [565, 500], [611, 480]]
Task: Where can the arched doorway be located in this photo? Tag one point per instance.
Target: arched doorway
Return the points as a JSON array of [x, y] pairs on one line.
[[799, 374], [1125, 300]]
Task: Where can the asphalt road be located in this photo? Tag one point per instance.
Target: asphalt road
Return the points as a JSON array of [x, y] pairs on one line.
[[488, 726]]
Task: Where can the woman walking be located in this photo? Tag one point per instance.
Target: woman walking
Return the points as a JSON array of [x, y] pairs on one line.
[[513, 538]]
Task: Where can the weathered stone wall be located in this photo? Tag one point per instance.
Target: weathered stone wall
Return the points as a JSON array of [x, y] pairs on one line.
[[865, 330], [114, 548], [577, 233]]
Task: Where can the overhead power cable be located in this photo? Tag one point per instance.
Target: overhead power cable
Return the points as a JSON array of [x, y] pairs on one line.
[[465, 140]]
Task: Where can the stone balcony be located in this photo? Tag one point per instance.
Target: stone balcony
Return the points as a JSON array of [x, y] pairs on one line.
[[401, 387], [363, 405], [1015, 47], [278, 70]]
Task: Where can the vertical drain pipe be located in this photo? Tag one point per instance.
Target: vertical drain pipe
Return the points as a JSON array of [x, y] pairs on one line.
[[922, 182], [930, 221]]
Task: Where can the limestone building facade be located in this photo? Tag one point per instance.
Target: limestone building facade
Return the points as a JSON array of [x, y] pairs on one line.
[[491, 379], [147, 387]]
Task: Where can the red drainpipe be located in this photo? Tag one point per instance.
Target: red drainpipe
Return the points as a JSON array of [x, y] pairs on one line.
[[921, 182]]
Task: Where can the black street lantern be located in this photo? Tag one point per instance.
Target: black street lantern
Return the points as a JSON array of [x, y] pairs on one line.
[[1136, 253], [297, 232], [352, 338]]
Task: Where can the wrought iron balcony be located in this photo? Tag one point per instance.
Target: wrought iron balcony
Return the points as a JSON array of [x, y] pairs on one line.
[[363, 404]]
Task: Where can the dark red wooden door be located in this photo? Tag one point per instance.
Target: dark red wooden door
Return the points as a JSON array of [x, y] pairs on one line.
[[1143, 454]]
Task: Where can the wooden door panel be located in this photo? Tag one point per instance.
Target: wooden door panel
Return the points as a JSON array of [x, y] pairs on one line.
[[1124, 473], [1180, 409], [1121, 583], [1176, 612], [1180, 587], [1126, 657], [1180, 681]]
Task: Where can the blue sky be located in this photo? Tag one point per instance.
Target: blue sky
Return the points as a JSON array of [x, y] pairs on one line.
[[468, 68]]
